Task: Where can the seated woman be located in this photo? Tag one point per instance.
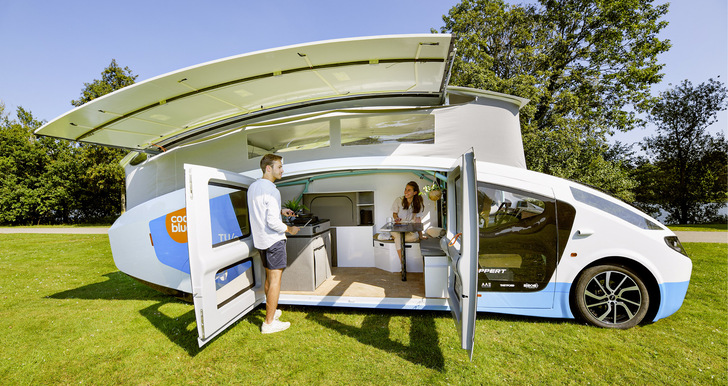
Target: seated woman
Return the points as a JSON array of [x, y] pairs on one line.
[[409, 207]]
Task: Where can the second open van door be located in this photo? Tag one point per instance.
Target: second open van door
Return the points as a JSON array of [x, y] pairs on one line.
[[461, 247], [226, 273]]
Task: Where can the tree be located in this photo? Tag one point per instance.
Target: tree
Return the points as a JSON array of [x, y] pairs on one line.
[[586, 65], [112, 79], [101, 185], [36, 185], [688, 173], [48, 180], [18, 161]]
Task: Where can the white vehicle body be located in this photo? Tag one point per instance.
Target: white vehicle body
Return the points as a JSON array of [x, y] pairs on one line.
[[358, 119]]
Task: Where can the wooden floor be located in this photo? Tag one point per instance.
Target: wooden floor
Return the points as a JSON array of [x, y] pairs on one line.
[[369, 282]]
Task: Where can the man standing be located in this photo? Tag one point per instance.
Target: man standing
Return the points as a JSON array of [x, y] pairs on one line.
[[269, 236]]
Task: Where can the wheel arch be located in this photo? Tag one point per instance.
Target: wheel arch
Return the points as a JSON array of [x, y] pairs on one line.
[[645, 274]]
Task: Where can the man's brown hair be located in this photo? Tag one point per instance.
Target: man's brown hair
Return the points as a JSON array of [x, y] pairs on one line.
[[269, 159]]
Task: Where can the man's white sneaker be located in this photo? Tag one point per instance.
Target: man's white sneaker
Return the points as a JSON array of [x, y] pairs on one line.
[[276, 326], [278, 314]]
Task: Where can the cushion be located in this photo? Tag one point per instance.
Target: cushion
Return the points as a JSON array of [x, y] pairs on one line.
[[435, 232]]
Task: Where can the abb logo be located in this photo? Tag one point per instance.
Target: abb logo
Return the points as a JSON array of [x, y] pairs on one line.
[[176, 224]]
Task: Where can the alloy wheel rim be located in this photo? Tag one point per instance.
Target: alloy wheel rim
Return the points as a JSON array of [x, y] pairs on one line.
[[612, 297]]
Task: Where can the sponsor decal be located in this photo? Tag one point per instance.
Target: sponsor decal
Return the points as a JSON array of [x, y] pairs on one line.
[[169, 232], [507, 285], [176, 224], [492, 270], [530, 285], [485, 285]]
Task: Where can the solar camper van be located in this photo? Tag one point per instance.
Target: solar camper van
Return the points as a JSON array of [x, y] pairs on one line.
[[355, 120]]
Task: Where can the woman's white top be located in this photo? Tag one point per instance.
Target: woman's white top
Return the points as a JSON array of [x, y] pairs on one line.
[[405, 214]]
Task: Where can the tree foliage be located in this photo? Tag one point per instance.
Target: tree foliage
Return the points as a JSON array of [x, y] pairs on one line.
[[37, 183], [586, 65], [101, 187], [47, 180], [688, 172], [112, 79]]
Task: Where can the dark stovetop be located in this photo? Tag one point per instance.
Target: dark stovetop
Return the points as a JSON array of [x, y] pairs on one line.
[[308, 220]]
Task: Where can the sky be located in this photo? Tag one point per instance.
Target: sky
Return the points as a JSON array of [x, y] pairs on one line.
[[51, 48]]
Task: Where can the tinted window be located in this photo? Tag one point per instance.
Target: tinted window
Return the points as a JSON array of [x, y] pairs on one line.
[[519, 247], [614, 209], [297, 136], [388, 128], [232, 281], [228, 213]]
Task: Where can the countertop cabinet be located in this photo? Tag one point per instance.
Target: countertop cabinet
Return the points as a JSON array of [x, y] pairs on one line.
[[308, 262], [354, 246]]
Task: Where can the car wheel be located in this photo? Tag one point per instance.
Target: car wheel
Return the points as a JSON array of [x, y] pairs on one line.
[[612, 296]]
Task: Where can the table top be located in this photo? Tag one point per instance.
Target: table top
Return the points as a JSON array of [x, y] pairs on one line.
[[402, 227]]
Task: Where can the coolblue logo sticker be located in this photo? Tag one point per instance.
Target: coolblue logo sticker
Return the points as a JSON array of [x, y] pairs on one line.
[[169, 237], [169, 232]]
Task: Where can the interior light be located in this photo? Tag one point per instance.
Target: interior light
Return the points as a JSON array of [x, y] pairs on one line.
[[242, 92], [159, 117], [341, 76]]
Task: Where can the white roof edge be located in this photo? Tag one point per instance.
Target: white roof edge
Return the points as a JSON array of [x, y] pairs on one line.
[[108, 126], [275, 49], [319, 42], [518, 101], [220, 60]]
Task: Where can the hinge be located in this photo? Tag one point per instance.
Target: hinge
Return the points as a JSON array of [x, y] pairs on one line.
[[190, 184], [202, 324]]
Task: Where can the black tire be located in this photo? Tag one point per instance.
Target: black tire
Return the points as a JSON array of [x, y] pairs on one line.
[[611, 296]]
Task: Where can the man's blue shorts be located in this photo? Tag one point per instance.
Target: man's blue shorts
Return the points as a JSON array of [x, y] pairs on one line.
[[275, 256]]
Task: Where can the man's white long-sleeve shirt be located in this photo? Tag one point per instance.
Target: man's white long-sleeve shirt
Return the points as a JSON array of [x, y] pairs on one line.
[[264, 203]]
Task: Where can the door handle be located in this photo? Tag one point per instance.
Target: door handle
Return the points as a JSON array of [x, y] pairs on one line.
[[584, 232]]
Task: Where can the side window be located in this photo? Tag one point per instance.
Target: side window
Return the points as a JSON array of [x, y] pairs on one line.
[[228, 213], [229, 222], [518, 239]]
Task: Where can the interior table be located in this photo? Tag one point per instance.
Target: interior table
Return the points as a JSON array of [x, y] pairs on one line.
[[402, 228]]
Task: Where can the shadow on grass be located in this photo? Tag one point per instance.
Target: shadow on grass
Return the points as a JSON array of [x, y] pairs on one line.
[[487, 316], [424, 348], [176, 329], [119, 286]]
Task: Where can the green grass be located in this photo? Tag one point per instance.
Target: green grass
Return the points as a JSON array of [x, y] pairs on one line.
[[96, 225], [700, 227], [67, 315]]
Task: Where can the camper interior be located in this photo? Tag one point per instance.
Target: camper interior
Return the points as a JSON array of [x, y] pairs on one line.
[[353, 207]]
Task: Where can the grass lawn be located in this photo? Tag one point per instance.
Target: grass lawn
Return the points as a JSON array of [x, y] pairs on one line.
[[99, 225], [700, 227], [67, 315]]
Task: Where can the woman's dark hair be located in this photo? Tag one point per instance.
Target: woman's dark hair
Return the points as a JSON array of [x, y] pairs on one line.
[[417, 204]]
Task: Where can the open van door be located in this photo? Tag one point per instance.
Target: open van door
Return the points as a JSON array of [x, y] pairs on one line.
[[226, 274], [461, 247]]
